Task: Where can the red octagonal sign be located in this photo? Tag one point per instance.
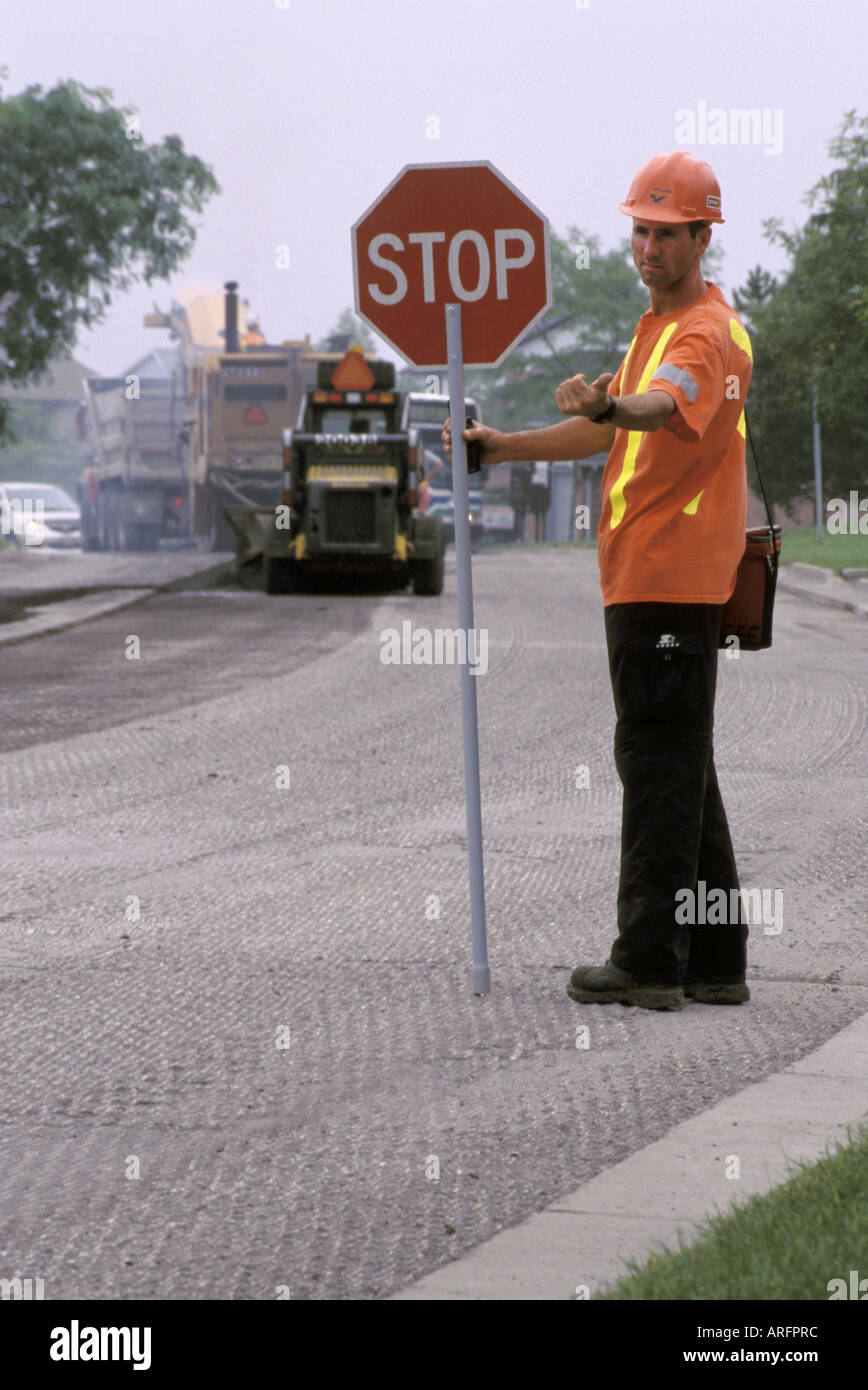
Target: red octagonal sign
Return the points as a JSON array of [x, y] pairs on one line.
[[451, 234]]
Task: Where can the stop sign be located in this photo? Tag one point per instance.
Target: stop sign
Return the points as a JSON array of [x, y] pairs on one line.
[[451, 233]]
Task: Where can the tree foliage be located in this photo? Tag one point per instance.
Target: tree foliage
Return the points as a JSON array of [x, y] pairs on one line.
[[33, 452], [810, 330], [348, 324], [86, 208]]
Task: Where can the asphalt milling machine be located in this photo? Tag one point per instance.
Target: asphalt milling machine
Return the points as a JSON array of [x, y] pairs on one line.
[[353, 495]]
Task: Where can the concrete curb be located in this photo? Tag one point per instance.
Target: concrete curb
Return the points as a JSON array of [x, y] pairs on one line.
[[67, 612], [824, 586], [669, 1188], [66, 607]]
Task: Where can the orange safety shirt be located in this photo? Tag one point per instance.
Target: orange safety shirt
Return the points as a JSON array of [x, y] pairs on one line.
[[672, 528]]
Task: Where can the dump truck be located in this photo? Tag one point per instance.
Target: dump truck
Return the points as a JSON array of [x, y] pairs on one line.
[[352, 487], [242, 393], [134, 491]]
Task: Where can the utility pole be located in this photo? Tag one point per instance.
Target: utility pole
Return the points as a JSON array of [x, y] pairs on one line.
[[818, 466]]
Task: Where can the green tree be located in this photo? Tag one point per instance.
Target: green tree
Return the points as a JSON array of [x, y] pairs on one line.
[[32, 452], [86, 208], [349, 323], [810, 330]]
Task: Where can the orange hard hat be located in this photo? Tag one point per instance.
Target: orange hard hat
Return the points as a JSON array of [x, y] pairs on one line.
[[674, 188]]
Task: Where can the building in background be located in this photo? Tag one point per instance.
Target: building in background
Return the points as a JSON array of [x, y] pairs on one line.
[[57, 395]]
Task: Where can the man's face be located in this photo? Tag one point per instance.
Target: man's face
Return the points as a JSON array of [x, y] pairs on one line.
[[664, 252]]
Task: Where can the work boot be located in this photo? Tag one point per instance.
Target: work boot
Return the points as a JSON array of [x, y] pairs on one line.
[[705, 992], [607, 984]]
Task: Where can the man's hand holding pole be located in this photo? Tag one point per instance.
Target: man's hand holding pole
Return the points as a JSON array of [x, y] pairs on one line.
[[492, 443]]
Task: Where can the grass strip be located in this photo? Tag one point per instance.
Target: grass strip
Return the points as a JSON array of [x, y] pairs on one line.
[[834, 552], [789, 1243]]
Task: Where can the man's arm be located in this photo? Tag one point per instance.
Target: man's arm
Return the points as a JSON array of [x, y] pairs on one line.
[[573, 439], [578, 437], [646, 411]]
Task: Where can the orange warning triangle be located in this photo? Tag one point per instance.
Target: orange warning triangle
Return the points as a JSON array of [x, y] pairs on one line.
[[352, 372], [254, 415]]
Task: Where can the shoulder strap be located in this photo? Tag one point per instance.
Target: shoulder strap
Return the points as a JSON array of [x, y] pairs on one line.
[[758, 473]]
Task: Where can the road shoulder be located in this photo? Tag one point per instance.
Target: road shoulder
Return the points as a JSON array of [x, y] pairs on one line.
[[667, 1189], [824, 586]]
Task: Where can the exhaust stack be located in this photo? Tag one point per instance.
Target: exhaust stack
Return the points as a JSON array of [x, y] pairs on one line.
[[230, 334]]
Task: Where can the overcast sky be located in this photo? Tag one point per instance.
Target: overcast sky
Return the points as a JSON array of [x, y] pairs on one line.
[[306, 109]]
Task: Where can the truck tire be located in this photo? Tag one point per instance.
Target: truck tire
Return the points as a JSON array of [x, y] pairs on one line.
[[428, 573], [89, 522], [280, 575], [111, 522], [102, 526], [130, 535]]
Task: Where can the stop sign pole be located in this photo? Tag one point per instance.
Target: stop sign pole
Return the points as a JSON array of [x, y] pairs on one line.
[[464, 226], [480, 977]]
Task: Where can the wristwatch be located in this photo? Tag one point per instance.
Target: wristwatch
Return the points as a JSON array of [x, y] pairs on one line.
[[607, 413]]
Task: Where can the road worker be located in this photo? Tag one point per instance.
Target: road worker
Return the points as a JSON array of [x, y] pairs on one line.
[[672, 532]]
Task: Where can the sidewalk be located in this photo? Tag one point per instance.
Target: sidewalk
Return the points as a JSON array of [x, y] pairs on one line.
[[43, 592], [35, 573], [824, 586], [66, 612], [670, 1187]]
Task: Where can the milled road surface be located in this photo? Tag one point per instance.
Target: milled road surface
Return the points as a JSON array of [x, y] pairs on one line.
[[283, 1042]]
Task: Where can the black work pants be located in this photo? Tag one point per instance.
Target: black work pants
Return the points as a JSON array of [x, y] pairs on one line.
[[674, 834]]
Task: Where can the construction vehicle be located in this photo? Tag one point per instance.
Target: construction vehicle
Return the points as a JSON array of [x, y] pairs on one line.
[[134, 492], [241, 394], [174, 454], [424, 414], [352, 487]]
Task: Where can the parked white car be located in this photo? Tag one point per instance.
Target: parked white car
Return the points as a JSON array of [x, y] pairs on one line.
[[36, 514]]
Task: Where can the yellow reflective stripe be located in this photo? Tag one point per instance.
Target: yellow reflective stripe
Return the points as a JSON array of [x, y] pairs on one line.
[[626, 365], [740, 338], [691, 507], [300, 545], [401, 546], [634, 437]]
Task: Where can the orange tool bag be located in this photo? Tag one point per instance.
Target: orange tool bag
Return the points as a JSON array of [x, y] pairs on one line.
[[747, 613]]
